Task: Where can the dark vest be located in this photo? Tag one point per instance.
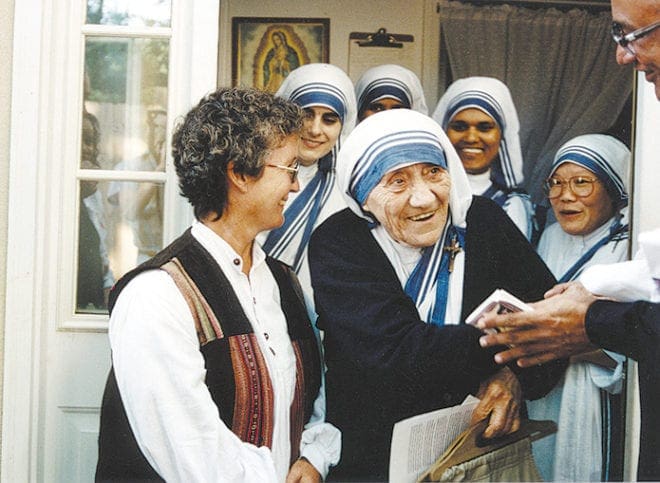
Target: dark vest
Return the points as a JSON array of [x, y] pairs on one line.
[[237, 376]]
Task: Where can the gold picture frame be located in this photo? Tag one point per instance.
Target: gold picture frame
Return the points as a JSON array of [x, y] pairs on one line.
[[266, 49]]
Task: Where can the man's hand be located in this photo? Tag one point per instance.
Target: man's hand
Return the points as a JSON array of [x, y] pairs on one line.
[[500, 396], [553, 330], [303, 471]]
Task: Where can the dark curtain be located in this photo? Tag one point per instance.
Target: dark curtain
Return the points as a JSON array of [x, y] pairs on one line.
[[559, 66]]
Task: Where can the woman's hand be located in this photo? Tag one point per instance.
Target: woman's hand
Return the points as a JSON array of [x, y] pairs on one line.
[[303, 471], [501, 396]]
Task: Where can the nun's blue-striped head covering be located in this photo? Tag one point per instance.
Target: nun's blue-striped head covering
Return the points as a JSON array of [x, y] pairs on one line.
[[605, 156], [393, 139], [492, 97], [322, 85], [392, 152], [390, 81]]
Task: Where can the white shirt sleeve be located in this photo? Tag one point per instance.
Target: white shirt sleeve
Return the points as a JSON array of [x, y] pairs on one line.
[[519, 211], [321, 441], [160, 374]]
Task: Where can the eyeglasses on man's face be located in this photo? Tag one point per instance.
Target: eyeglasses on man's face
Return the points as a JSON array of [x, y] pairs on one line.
[[626, 40], [581, 186], [293, 169]]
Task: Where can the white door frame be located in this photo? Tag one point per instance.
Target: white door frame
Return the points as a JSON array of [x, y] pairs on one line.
[[195, 28]]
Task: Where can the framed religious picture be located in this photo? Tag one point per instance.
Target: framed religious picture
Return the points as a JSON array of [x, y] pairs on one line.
[[265, 50]]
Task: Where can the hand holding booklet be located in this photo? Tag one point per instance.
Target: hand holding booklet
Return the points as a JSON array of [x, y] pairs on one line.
[[417, 442], [500, 302]]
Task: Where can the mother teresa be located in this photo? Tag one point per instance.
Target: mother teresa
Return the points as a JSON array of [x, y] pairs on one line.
[[394, 276]]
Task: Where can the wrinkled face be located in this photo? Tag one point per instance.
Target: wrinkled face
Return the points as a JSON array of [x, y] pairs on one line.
[[380, 105], [581, 215], [412, 203], [632, 15], [476, 137], [270, 191], [321, 128]]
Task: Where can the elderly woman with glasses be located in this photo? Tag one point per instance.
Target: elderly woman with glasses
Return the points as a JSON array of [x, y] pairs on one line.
[[386, 87], [326, 95], [395, 275], [587, 191], [480, 118]]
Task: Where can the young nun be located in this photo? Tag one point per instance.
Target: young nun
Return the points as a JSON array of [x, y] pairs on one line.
[[397, 272], [480, 118], [326, 94], [386, 87], [587, 192]]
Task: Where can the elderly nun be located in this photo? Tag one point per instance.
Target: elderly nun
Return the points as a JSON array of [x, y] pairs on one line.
[[480, 118], [588, 195], [326, 95], [395, 275], [389, 86]]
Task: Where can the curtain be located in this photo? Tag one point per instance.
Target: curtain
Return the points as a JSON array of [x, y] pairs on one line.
[[559, 66]]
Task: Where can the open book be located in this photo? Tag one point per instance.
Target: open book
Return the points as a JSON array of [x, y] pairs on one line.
[[417, 442], [500, 302], [470, 445], [423, 446]]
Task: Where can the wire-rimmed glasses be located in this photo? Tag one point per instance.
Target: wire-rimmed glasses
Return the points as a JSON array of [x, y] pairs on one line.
[[293, 169], [626, 40], [581, 186]]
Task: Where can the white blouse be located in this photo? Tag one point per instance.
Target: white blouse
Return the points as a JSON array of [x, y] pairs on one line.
[[175, 421]]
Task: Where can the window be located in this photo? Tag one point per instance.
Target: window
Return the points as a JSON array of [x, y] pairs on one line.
[[123, 131]]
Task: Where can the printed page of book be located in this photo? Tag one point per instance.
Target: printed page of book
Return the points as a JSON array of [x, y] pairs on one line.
[[417, 442]]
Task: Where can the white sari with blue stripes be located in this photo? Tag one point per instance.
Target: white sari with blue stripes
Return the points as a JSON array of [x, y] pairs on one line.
[[311, 85], [391, 140], [492, 97], [584, 404]]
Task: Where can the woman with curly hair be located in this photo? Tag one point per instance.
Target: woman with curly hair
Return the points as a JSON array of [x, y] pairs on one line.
[[215, 365]]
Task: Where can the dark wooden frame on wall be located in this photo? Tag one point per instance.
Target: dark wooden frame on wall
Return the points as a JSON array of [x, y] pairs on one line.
[[301, 41]]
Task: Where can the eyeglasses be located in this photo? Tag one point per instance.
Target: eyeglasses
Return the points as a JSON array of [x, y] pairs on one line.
[[581, 186], [293, 169], [626, 40]]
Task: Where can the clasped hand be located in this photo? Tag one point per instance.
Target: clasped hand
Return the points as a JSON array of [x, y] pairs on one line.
[[553, 330]]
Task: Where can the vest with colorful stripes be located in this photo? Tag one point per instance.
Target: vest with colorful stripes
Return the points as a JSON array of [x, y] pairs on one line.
[[237, 376]]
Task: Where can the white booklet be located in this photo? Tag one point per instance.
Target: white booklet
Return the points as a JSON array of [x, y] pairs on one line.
[[417, 442], [500, 302]]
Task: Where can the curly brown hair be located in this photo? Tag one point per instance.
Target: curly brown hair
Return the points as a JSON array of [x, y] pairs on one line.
[[231, 124]]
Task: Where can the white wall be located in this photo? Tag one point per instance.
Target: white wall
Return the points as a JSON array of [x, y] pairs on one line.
[[646, 195], [6, 35]]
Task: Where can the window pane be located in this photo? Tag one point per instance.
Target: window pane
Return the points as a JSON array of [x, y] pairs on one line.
[[95, 277], [134, 13], [126, 90], [137, 220], [120, 226]]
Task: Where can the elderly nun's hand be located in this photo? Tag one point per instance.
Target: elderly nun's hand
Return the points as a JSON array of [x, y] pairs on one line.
[[302, 471], [501, 397], [553, 330]]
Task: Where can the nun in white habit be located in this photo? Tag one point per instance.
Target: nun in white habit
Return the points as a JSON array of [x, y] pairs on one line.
[[588, 194], [389, 86], [326, 94], [481, 121], [396, 273]]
